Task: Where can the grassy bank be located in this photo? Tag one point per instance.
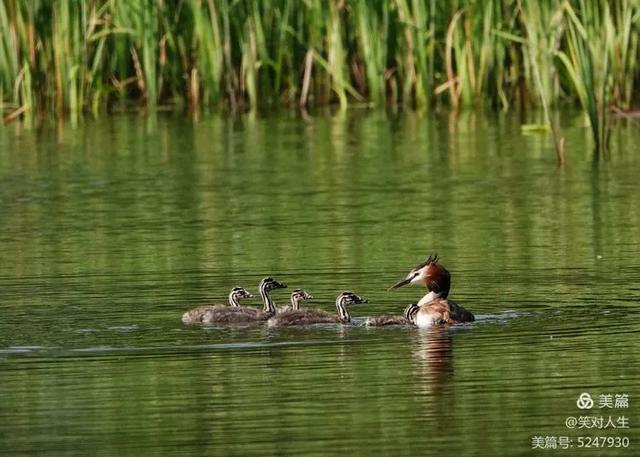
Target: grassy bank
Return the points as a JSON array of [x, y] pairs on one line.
[[69, 57]]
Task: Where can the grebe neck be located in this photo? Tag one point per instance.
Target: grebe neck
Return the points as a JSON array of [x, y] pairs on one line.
[[234, 300], [343, 312], [269, 305], [428, 298]]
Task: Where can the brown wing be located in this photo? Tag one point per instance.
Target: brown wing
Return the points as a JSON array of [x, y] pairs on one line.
[[438, 310], [443, 311], [458, 314]]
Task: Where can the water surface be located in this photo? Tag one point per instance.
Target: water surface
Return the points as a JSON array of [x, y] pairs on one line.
[[110, 231]]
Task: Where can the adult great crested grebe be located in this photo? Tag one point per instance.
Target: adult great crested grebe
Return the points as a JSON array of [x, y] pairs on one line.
[[242, 314], [318, 316], [434, 307]]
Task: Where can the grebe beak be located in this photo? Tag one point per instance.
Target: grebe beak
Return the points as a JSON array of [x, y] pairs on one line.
[[398, 285]]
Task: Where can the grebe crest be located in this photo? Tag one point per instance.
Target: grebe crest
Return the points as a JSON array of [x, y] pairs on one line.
[[429, 273]]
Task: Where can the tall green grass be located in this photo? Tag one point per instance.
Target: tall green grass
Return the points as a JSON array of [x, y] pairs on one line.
[[72, 57]]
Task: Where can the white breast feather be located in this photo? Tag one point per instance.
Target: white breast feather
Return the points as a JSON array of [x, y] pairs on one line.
[[424, 320]]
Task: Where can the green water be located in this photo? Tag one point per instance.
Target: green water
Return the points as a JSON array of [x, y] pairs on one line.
[[110, 231]]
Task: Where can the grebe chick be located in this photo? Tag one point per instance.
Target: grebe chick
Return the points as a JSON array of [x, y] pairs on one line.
[[246, 314], [202, 313], [297, 296], [387, 319], [318, 316], [435, 308], [410, 313]]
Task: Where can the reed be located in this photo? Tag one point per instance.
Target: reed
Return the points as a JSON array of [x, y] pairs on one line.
[[587, 63], [539, 48], [68, 58]]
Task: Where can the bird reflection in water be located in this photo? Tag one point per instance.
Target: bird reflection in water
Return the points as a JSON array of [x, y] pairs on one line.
[[433, 353]]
